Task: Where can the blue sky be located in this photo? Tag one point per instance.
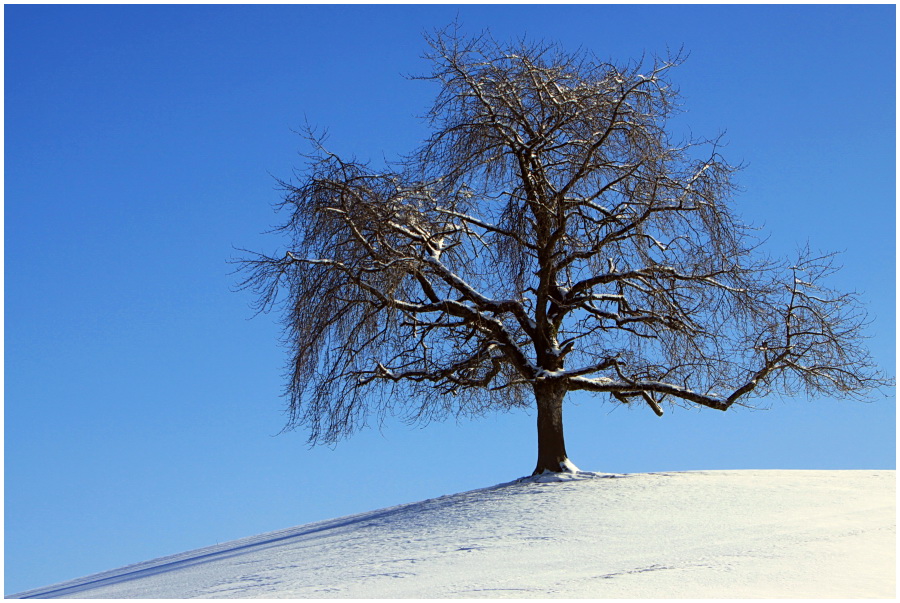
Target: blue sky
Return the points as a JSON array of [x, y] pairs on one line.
[[142, 403]]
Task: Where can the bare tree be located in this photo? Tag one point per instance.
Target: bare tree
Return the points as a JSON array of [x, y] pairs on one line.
[[549, 237]]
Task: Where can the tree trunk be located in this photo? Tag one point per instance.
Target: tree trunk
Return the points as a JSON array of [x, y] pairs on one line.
[[551, 444]]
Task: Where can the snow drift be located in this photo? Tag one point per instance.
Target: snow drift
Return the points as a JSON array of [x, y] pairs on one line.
[[705, 534]]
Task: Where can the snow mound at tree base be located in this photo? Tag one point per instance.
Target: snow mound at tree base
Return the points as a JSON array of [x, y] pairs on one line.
[[704, 534], [570, 476]]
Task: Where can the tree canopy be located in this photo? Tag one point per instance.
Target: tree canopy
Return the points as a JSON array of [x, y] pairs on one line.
[[550, 236]]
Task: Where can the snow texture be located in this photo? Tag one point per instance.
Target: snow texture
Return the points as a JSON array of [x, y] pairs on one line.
[[704, 534]]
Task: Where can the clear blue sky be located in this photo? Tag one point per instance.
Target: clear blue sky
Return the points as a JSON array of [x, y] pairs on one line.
[[142, 403]]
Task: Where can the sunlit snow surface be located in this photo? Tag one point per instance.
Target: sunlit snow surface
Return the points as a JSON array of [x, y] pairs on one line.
[[706, 534]]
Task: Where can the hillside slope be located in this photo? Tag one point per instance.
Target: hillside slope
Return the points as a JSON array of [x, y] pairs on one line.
[[694, 534]]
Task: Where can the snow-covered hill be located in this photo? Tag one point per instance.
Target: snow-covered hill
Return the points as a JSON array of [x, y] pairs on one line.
[[660, 535]]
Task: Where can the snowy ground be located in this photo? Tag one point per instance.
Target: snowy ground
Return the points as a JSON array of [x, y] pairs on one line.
[[705, 534]]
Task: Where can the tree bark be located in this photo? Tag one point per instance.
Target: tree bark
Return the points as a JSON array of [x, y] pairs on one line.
[[551, 443]]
